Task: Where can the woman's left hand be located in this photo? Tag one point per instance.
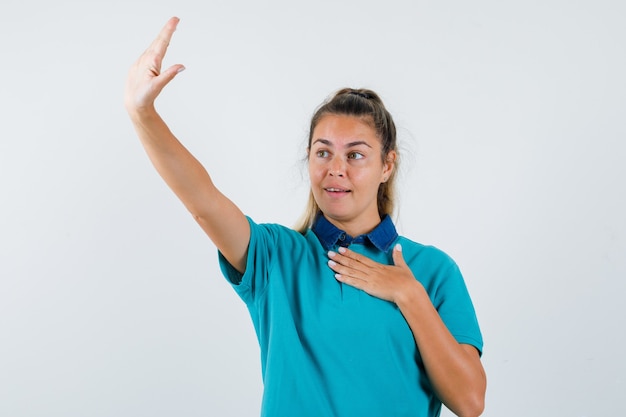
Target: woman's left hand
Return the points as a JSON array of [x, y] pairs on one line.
[[388, 282]]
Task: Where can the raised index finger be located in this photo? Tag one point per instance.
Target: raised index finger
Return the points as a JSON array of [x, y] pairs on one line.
[[161, 42]]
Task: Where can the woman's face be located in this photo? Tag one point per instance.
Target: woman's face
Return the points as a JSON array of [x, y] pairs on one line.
[[346, 168]]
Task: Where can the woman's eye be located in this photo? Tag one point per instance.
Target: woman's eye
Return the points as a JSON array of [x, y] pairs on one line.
[[355, 155], [322, 154]]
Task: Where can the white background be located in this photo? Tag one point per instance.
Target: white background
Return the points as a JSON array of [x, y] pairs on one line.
[[511, 118]]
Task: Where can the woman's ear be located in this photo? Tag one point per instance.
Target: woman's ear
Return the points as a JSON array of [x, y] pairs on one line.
[[389, 165]]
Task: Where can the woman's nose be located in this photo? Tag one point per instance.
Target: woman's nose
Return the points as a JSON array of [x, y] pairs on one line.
[[337, 167]]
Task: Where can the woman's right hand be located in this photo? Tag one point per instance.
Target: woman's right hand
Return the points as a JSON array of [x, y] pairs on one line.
[[145, 79], [219, 217]]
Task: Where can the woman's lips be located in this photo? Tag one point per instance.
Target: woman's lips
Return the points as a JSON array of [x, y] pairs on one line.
[[336, 192]]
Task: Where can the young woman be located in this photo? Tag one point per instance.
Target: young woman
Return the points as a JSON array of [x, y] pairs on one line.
[[351, 319]]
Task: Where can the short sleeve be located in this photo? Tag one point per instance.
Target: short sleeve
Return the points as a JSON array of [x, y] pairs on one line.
[[444, 283], [258, 261], [454, 304]]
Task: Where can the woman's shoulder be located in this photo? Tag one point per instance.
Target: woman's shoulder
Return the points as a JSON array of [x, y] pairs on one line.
[[424, 252], [277, 232]]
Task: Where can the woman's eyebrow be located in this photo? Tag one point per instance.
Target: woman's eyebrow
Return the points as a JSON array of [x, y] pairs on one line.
[[348, 145], [357, 143], [323, 142]]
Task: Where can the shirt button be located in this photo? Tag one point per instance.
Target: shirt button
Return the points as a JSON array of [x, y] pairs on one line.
[[342, 237]]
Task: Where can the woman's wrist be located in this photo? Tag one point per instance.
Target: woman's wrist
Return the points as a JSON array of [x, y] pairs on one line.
[[412, 295]]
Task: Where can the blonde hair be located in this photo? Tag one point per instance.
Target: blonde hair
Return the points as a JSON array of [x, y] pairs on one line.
[[367, 105]]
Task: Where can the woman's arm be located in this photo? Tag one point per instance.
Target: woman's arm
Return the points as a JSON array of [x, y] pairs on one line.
[[222, 221], [454, 369]]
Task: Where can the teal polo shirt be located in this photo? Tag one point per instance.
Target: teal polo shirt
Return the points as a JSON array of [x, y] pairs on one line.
[[329, 349]]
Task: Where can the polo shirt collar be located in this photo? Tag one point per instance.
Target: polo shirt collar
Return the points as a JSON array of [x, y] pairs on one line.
[[382, 237]]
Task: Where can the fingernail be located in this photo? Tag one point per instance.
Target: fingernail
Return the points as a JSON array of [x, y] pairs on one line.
[[181, 69], [342, 249], [398, 247], [331, 254], [332, 263]]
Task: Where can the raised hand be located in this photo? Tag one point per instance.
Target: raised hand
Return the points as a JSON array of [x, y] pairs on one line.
[[145, 79], [388, 282]]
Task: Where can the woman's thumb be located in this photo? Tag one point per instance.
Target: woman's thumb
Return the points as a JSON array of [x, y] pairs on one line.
[[166, 76], [398, 259]]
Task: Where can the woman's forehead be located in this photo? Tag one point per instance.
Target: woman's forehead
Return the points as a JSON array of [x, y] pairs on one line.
[[344, 130]]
